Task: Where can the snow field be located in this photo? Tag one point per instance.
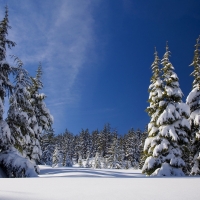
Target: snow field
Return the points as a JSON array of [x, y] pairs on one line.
[[76, 183]]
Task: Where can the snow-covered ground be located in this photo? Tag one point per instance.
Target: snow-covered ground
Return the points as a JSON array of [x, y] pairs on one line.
[[106, 184]]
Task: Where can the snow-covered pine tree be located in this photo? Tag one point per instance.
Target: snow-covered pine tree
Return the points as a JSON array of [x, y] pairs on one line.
[[5, 85], [136, 148], [171, 140], [193, 100], [97, 161], [68, 161], [94, 140], [48, 146], [85, 143], [11, 161], [142, 154], [104, 140], [20, 109], [87, 162], [76, 148], [43, 119], [121, 157], [67, 143], [129, 145], [80, 160], [155, 96], [113, 155], [57, 158]]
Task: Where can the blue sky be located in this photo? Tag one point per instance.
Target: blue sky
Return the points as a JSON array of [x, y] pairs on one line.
[[96, 54]]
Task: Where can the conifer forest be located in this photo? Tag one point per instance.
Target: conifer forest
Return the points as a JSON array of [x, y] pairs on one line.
[[168, 146]]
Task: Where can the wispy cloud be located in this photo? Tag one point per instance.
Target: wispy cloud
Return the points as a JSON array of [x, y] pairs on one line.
[[60, 35]]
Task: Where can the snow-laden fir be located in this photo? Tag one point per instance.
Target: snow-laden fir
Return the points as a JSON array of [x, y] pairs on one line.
[[28, 117], [169, 127], [193, 100]]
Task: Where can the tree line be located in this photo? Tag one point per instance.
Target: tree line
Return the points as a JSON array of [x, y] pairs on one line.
[[85, 149]]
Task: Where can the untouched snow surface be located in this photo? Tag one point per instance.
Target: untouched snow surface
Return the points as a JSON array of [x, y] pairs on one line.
[[107, 184]]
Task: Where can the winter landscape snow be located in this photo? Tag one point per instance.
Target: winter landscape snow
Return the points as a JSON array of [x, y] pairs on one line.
[[81, 183]]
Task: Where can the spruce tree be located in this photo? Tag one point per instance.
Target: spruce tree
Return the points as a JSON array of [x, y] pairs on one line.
[[48, 146], [5, 85], [171, 141], [67, 143], [95, 144], [193, 100], [42, 119], [113, 155], [97, 161], [11, 161], [142, 154], [57, 158], [80, 160], [20, 109], [155, 96]]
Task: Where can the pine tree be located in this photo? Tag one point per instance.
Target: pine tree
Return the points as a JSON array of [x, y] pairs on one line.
[[95, 144], [47, 146], [42, 121], [85, 143], [57, 157], [20, 109], [87, 163], [121, 157], [104, 140], [136, 149], [80, 161], [142, 154], [113, 155], [170, 142], [67, 148], [68, 161], [193, 100], [5, 85], [97, 161], [155, 96], [12, 162]]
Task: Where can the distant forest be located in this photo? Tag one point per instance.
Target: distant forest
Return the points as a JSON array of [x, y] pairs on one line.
[[98, 149]]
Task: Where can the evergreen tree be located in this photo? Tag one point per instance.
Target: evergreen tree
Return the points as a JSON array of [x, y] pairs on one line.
[[20, 109], [5, 85], [95, 142], [121, 156], [76, 148], [97, 161], [12, 162], [48, 146], [193, 100], [57, 158], [68, 162], [129, 143], [42, 121], [113, 155], [67, 148], [170, 142], [155, 96], [104, 140], [142, 154], [80, 161], [85, 143], [87, 163], [136, 149]]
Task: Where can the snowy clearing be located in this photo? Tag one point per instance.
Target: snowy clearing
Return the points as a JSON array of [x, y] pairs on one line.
[[82, 183]]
